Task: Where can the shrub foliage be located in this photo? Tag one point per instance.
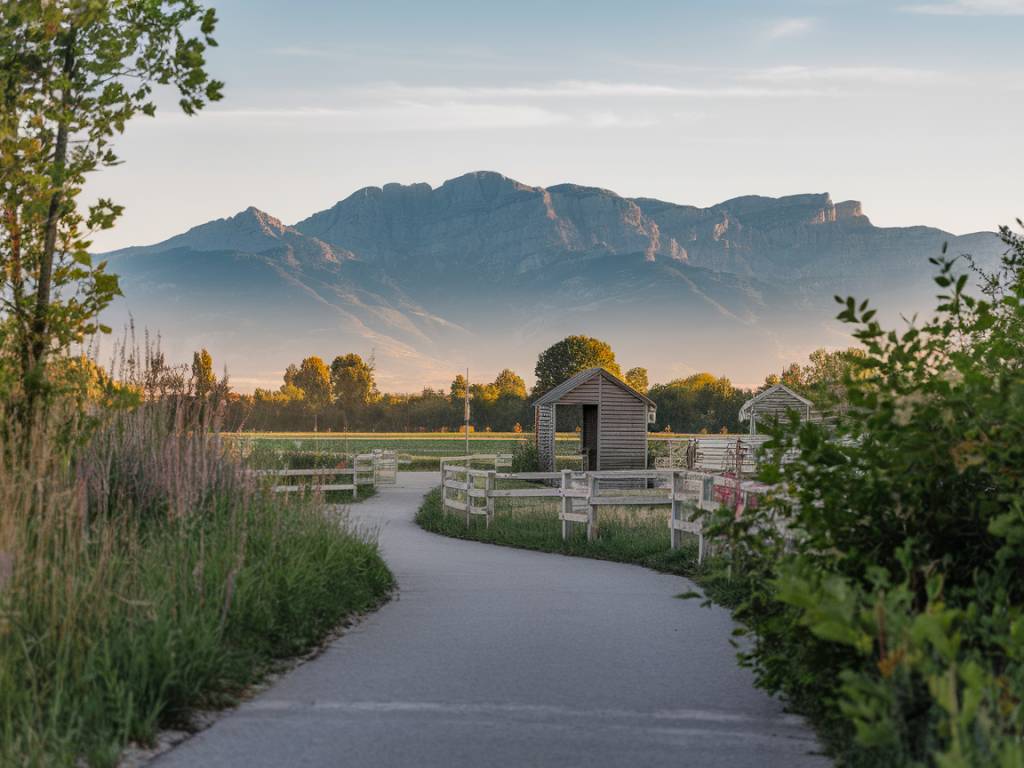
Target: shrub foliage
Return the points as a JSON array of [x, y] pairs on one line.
[[894, 615]]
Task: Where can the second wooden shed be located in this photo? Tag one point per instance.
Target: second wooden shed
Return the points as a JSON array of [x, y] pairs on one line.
[[615, 419], [774, 403]]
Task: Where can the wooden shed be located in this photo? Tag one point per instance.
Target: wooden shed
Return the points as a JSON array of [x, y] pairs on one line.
[[615, 419], [774, 403]]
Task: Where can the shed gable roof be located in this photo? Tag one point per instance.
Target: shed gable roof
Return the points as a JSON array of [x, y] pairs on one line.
[[769, 393], [567, 386]]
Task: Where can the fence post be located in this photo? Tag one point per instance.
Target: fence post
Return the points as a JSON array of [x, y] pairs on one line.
[[566, 502], [444, 490], [469, 499], [705, 488], [674, 533], [592, 511], [489, 499], [355, 483]]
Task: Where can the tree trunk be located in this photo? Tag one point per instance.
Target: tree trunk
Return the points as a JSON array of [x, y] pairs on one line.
[[17, 285], [39, 338]]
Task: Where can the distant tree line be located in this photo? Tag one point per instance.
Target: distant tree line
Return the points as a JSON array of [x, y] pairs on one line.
[[343, 395]]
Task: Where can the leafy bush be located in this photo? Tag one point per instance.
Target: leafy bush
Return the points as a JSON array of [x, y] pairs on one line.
[[894, 616], [525, 457]]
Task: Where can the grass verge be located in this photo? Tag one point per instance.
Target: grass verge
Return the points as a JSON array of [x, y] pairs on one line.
[[640, 541]]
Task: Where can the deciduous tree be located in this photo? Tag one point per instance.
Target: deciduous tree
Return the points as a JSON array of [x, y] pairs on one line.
[[203, 378], [72, 74], [570, 356], [508, 383], [823, 378], [701, 402], [637, 379], [313, 378], [353, 383], [457, 390]]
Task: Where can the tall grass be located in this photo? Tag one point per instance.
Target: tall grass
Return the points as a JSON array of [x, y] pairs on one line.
[[143, 573]]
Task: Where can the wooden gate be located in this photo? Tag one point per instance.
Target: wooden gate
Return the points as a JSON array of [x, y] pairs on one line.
[[385, 465]]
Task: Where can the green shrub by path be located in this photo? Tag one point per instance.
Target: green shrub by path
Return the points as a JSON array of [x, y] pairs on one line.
[[896, 617], [145, 574], [525, 457]]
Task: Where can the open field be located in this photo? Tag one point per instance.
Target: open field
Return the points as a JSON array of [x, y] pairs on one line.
[[418, 451], [423, 449]]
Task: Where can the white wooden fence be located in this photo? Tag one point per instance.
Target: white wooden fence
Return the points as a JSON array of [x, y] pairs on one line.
[[377, 468], [581, 495], [497, 460], [712, 453]]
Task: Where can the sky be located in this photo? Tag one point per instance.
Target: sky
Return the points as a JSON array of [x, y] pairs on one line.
[[912, 108]]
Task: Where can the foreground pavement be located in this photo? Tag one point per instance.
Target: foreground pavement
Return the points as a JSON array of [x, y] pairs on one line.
[[500, 657]]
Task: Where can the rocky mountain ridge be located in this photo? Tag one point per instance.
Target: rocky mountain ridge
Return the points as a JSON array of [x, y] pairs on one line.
[[530, 227]]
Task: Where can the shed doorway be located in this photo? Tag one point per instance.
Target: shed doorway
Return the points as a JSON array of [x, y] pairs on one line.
[[588, 437]]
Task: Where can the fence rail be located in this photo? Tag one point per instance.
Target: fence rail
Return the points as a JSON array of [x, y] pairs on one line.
[[373, 469], [581, 495]]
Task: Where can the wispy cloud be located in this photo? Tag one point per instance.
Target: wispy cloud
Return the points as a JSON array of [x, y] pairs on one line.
[[302, 52], [849, 75], [422, 58], [570, 89], [789, 28], [396, 107], [406, 116], [969, 8], [608, 119]]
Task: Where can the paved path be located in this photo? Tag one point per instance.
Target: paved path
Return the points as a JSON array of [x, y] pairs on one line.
[[501, 657]]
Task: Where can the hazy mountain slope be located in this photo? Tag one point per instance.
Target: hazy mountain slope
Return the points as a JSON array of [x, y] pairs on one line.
[[257, 295], [486, 270], [251, 231]]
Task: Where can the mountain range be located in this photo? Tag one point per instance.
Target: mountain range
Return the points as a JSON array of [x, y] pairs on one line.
[[486, 271]]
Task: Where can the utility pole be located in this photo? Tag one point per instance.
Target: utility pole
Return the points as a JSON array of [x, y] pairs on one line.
[[466, 413]]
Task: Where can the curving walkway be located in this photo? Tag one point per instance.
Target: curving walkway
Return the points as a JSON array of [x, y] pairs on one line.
[[500, 657]]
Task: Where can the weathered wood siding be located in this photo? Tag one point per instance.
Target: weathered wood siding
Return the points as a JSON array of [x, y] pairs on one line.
[[622, 428], [587, 393], [544, 429]]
